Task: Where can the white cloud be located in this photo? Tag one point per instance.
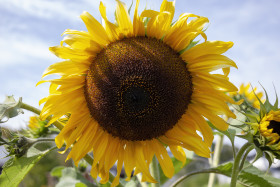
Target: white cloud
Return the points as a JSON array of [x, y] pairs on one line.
[[17, 49], [43, 8]]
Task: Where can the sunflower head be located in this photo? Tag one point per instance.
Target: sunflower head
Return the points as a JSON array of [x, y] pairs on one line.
[[265, 125], [131, 88]]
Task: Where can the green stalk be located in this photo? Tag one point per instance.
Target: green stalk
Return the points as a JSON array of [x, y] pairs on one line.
[[87, 158], [155, 172], [38, 111], [195, 173], [244, 157], [236, 164], [44, 140], [216, 158]]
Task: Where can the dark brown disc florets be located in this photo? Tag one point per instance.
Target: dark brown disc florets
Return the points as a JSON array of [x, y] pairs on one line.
[[138, 88], [275, 125]]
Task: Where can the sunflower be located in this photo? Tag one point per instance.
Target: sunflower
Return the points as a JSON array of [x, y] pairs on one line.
[[134, 88]]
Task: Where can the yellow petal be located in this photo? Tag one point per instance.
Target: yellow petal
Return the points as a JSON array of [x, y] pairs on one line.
[[119, 168], [163, 159], [180, 40], [111, 29], [160, 21], [214, 80], [129, 163], [201, 125], [68, 53], [211, 62], [217, 121], [179, 24], [138, 25], [123, 19], [95, 29], [188, 139], [178, 153], [209, 47], [66, 68], [141, 163], [81, 43]]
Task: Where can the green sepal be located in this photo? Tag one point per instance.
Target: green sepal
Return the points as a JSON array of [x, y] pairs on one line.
[[276, 100], [129, 9], [268, 106]]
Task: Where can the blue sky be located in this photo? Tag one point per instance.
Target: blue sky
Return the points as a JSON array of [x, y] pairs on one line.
[[29, 27]]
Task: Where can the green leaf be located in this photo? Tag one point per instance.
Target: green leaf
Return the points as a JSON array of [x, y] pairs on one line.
[[10, 108], [15, 169], [249, 176], [71, 177], [57, 171]]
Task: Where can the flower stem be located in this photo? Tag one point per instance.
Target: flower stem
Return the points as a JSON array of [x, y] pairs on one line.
[[38, 111], [30, 108], [216, 158], [244, 157], [155, 172], [236, 164], [195, 173]]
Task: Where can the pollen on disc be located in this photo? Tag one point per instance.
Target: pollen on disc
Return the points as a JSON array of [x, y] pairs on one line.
[[138, 88]]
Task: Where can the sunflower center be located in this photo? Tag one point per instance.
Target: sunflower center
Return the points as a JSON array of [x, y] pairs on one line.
[[275, 125], [138, 88]]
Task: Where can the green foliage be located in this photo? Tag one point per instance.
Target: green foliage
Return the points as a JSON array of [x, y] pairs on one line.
[[15, 169], [10, 108], [249, 176], [57, 171]]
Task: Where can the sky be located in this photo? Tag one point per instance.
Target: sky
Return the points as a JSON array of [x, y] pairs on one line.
[[29, 27]]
